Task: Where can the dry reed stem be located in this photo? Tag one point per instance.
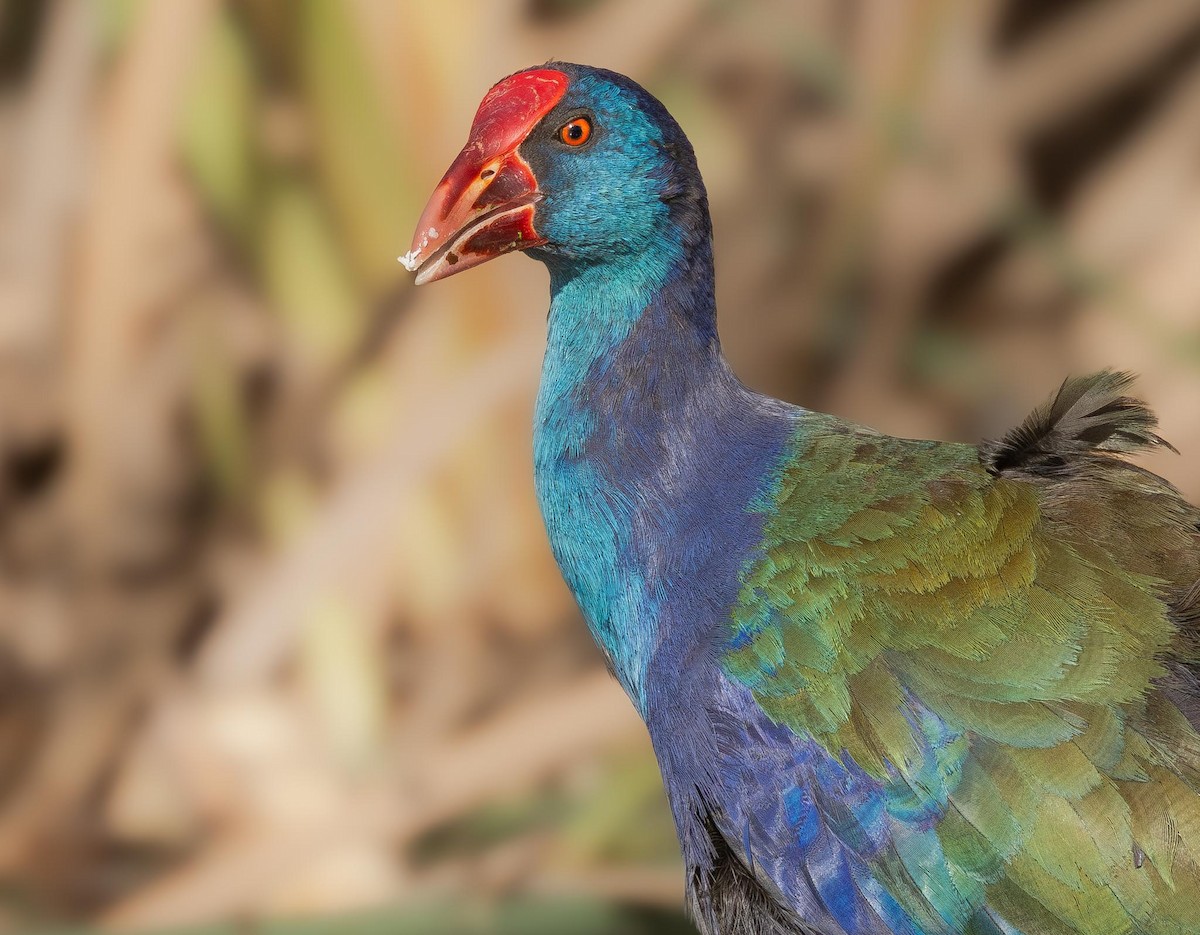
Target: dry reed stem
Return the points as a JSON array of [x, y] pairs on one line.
[[252, 640], [134, 157], [518, 748]]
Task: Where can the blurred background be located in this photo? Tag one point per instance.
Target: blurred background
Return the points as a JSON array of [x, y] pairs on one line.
[[280, 635]]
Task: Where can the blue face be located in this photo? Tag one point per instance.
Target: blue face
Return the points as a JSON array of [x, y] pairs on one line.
[[610, 195]]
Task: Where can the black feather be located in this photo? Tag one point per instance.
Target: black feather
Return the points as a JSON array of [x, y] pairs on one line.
[[1089, 415], [729, 900]]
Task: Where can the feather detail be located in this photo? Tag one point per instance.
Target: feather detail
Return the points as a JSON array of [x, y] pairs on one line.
[[1018, 646], [893, 685], [1089, 414]]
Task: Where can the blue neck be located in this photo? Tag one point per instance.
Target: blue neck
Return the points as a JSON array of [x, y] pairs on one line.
[[632, 378]]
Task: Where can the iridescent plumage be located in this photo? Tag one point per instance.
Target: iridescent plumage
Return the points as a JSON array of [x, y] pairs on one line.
[[894, 686]]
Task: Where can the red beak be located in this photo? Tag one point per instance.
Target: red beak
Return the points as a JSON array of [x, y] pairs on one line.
[[484, 204]]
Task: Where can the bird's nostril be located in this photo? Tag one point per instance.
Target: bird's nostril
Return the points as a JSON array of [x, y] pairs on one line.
[[487, 173]]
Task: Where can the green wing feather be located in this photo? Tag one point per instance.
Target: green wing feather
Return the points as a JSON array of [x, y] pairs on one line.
[[1038, 596]]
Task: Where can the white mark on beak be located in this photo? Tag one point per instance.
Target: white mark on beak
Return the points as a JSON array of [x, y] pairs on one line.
[[410, 260]]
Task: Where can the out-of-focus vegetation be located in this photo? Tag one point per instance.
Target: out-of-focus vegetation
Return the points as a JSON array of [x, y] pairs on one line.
[[279, 632]]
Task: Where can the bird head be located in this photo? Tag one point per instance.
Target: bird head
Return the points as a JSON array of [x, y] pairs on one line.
[[576, 164]]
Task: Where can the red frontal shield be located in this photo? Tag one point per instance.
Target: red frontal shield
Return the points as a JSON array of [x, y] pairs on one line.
[[484, 205]]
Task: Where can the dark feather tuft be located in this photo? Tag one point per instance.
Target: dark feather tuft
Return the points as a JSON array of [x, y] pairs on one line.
[[727, 899], [1088, 415]]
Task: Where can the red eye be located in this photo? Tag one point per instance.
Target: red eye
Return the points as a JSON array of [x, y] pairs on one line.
[[575, 132]]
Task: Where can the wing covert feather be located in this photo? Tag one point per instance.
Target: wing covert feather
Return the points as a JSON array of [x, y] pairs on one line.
[[903, 580]]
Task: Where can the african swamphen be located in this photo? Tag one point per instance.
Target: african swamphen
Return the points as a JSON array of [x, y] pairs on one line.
[[894, 686]]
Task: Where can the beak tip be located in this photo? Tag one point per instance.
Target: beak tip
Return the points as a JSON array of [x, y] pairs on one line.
[[409, 261]]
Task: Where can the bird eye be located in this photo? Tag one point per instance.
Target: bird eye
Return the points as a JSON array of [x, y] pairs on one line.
[[575, 132]]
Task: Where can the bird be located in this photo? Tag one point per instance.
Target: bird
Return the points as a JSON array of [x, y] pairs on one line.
[[892, 685]]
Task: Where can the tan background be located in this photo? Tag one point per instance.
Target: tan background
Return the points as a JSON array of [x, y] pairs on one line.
[[279, 631]]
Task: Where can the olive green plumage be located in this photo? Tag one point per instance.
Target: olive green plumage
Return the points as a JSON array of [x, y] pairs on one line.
[[1039, 597]]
